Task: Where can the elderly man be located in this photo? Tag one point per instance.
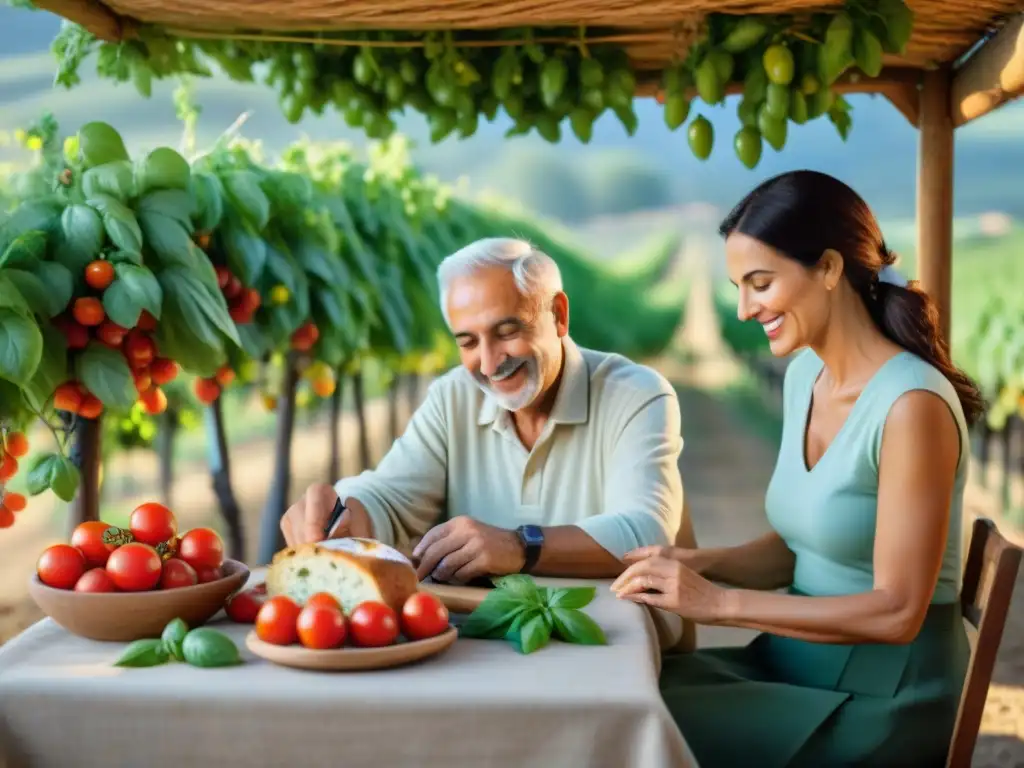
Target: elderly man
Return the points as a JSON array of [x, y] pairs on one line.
[[534, 456]]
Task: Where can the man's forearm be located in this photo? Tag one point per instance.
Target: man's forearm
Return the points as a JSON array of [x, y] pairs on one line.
[[570, 551]]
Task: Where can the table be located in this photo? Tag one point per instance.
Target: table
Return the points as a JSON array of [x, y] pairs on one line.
[[481, 703]]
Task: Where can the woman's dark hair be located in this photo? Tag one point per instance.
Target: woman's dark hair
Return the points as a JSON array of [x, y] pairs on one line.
[[802, 214]]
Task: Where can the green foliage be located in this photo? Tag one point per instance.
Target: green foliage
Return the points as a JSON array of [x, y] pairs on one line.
[[224, 266], [540, 78]]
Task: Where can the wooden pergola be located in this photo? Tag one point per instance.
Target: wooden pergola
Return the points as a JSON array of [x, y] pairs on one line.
[[964, 60]]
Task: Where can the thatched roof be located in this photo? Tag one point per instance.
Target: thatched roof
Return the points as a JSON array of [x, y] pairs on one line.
[[650, 29]]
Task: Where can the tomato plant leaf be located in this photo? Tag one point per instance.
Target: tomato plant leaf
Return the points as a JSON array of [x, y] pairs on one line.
[[246, 251], [105, 373], [134, 289], [206, 647], [207, 201], [120, 223], [34, 292], [21, 346], [116, 179], [167, 238], [571, 597], [59, 282], [53, 471], [143, 653], [174, 204], [243, 191], [575, 626], [52, 370], [82, 231], [10, 296], [26, 250], [199, 304]]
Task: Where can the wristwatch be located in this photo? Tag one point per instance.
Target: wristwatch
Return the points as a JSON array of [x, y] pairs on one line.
[[532, 539]]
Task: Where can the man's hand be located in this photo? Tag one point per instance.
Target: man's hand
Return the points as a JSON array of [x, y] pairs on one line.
[[462, 549], [305, 520]]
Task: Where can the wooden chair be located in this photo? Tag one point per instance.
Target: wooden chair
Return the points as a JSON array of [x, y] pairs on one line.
[[989, 576]]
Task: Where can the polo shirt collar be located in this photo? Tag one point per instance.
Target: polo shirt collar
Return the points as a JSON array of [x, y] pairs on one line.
[[572, 403]]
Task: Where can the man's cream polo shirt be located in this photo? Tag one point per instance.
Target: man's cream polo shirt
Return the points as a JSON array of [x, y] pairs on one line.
[[606, 461]]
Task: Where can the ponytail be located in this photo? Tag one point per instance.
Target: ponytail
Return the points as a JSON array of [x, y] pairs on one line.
[[910, 318]]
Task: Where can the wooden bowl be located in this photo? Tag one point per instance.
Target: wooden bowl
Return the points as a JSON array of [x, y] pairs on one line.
[[127, 616], [351, 659]]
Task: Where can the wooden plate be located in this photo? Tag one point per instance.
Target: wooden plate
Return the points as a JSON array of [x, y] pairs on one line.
[[351, 659]]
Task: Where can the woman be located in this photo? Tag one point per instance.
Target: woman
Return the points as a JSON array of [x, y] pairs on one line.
[[862, 654]]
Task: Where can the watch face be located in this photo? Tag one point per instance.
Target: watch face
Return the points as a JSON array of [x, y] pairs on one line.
[[532, 534]]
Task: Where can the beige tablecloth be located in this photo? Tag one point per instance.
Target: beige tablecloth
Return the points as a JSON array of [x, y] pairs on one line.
[[63, 705]]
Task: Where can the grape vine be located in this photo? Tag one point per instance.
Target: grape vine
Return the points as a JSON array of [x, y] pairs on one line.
[[785, 66]]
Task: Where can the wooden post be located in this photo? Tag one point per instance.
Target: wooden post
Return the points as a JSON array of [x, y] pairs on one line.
[[935, 192]]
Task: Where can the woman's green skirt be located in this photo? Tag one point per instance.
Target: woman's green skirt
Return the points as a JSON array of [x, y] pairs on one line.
[[783, 702]]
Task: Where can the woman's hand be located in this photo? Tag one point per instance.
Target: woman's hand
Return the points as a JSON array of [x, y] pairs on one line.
[[665, 582], [666, 553]]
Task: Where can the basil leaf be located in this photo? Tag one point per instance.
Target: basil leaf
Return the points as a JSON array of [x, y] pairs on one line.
[[143, 653], [521, 585], [205, 647], [571, 597], [493, 617], [533, 634], [52, 370], [173, 636], [574, 626]]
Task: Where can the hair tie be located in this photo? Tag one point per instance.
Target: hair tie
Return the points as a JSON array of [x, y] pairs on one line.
[[889, 274]]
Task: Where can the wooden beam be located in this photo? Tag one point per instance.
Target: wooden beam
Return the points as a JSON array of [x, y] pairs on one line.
[[907, 99], [92, 15], [992, 76], [935, 192]]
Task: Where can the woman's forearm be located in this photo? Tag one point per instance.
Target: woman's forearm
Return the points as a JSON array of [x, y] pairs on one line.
[[765, 563], [877, 616]]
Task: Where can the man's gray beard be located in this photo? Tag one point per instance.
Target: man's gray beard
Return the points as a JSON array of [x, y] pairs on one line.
[[522, 398]]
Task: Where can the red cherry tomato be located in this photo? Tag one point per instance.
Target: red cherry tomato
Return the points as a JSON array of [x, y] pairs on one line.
[[324, 599], [209, 574], [61, 566], [88, 537], [423, 615], [152, 523], [276, 621], [244, 606], [202, 548], [135, 567], [321, 627], [373, 624], [177, 573], [95, 580]]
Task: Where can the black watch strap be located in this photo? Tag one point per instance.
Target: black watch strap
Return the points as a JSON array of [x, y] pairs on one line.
[[532, 539]]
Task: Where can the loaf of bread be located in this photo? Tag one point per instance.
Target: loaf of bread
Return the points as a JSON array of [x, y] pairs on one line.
[[352, 570]]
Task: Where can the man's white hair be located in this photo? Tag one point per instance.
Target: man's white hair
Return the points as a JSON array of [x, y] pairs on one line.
[[536, 274]]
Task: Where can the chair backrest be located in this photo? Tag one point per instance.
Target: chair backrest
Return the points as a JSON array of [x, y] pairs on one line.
[[989, 576]]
